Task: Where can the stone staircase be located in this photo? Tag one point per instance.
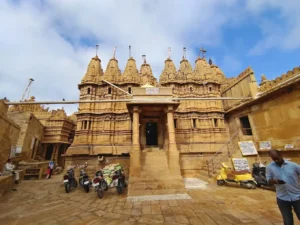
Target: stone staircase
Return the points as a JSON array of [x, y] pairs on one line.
[[226, 152], [155, 177]]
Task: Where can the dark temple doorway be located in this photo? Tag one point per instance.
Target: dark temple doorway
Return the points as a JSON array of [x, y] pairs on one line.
[[151, 134]]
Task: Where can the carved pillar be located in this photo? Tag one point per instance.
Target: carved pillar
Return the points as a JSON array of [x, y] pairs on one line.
[[135, 162], [173, 154]]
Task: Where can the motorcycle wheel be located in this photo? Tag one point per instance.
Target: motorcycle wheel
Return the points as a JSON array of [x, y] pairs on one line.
[[220, 182], [104, 185], [75, 183], [67, 188], [120, 187], [100, 193], [86, 188]]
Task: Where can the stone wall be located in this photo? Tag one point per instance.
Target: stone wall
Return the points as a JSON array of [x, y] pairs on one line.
[[274, 118], [32, 132], [9, 132], [244, 85]]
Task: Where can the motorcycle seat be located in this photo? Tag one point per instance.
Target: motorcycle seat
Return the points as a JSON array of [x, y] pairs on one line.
[[239, 172]]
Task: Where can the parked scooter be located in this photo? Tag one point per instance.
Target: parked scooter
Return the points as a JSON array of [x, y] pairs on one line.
[[117, 180], [84, 181], [259, 174], [99, 184], [243, 178], [69, 180]]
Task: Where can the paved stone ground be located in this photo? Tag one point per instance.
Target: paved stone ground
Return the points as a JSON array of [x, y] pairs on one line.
[[45, 202]]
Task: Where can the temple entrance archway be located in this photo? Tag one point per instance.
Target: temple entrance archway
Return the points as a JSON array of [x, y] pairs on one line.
[[151, 134]]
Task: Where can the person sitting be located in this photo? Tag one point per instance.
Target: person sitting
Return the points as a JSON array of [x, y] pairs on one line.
[[9, 167]]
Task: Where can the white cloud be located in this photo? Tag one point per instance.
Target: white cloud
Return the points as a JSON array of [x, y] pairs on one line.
[[52, 41], [44, 40], [282, 33]]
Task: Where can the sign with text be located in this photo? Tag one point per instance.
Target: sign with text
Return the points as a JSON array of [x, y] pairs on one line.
[[288, 146], [240, 164], [247, 148], [152, 91], [265, 145]]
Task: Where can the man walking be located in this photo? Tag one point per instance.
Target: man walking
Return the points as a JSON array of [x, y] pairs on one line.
[[285, 176]]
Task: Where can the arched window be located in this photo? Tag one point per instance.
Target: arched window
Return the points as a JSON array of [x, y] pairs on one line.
[[191, 89], [109, 90], [89, 91], [210, 89]]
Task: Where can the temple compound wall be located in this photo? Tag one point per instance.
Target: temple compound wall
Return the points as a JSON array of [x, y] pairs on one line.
[[273, 115], [9, 132], [31, 134], [45, 134]]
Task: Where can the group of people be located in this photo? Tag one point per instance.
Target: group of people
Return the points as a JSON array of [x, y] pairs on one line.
[[9, 168]]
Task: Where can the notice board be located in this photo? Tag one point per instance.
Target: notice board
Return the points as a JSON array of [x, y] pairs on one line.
[[152, 91], [240, 164], [247, 148], [265, 145]]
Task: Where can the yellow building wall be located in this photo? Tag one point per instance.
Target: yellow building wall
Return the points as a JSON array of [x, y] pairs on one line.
[[31, 129], [9, 132]]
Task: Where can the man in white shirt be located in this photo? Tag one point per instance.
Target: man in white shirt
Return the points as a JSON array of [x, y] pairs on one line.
[[9, 167]]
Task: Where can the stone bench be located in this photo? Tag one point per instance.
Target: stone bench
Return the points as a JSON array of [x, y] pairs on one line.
[[7, 182]]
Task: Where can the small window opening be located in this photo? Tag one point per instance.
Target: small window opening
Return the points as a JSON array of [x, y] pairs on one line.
[[210, 89], [175, 123], [194, 123], [191, 89], [246, 127], [129, 90], [109, 90], [89, 91], [85, 124], [216, 123]]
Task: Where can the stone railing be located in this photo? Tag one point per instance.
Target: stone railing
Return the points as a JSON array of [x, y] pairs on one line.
[[224, 153], [270, 84]]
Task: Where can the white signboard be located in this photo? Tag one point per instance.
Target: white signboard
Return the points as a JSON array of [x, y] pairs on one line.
[[240, 164], [247, 148], [288, 146], [152, 91], [19, 149], [265, 145]]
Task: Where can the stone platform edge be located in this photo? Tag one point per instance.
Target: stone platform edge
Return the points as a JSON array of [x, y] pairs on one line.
[[158, 197]]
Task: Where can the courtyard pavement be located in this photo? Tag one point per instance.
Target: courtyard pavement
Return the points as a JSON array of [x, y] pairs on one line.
[[45, 202]]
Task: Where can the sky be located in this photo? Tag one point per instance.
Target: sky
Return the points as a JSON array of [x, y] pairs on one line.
[[52, 41]]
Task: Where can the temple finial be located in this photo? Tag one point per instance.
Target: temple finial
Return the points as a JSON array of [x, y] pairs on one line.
[[184, 53], [169, 53], [203, 52], [97, 46], [114, 54], [144, 58], [129, 51]]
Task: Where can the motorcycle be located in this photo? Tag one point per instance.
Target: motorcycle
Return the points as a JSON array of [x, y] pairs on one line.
[[84, 180], [243, 178], [117, 180], [99, 184], [69, 180], [259, 174]]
